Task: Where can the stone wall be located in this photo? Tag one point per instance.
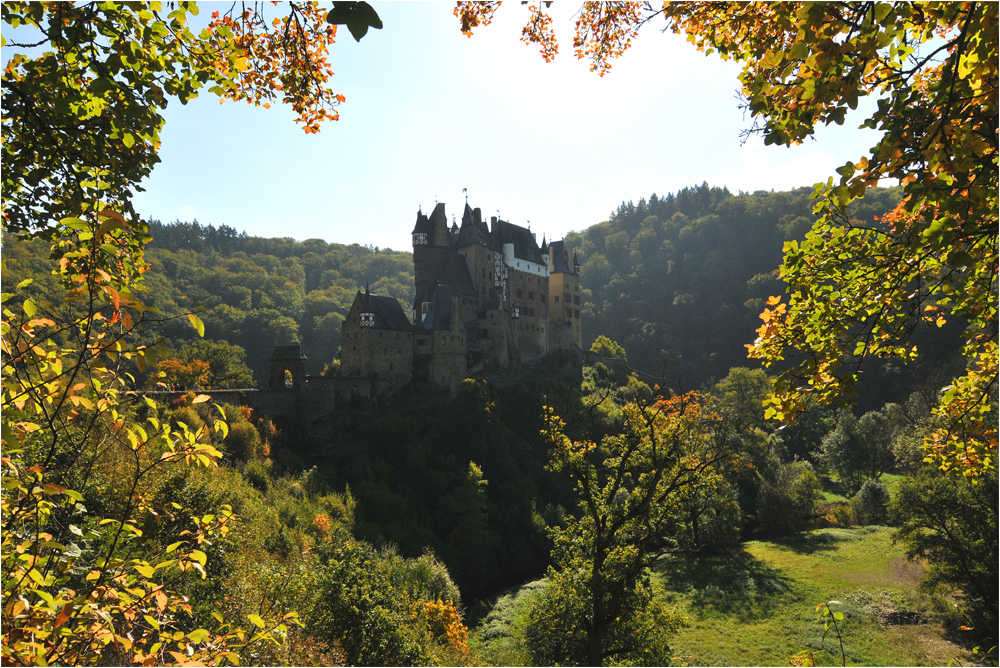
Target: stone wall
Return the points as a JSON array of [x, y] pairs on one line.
[[529, 292], [565, 302], [367, 351]]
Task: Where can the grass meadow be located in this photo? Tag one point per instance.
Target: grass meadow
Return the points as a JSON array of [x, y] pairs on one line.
[[758, 606]]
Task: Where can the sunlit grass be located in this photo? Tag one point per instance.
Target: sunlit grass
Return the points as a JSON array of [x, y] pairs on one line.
[[759, 607]]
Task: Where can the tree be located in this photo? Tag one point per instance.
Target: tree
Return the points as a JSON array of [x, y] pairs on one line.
[[951, 521], [859, 450], [82, 121], [80, 130], [605, 347], [857, 289], [226, 364], [741, 398], [599, 605]]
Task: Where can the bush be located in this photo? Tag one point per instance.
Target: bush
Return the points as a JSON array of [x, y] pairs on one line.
[[258, 475], [788, 498], [243, 442], [870, 505], [951, 522]]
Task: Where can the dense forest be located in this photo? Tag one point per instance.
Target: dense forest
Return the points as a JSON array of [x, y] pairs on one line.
[[681, 280]]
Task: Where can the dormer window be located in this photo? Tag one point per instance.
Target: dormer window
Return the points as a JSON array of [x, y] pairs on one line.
[[420, 239], [367, 319]]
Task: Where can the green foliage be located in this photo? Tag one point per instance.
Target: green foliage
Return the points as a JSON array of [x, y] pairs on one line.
[[226, 363], [557, 630], [788, 498], [365, 605], [605, 347], [599, 604], [859, 287], [741, 395], [859, 450], [951, 522], [252, 292], [685, 305], [500, 639], [870, 505], [243, 442]]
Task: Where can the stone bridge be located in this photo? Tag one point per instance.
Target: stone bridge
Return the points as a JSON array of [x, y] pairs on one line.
[[311, 399]]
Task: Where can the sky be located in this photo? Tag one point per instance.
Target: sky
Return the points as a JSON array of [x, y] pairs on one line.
[[430, 112]]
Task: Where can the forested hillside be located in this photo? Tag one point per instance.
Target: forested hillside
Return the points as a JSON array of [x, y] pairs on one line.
[[680, 280], [255, 292]]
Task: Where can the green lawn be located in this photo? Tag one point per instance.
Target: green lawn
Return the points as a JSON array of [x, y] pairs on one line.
[[759, 607]]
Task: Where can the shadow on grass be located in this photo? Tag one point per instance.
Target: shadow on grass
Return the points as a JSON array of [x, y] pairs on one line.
[[835, 487], [810, 542], [737, 584]]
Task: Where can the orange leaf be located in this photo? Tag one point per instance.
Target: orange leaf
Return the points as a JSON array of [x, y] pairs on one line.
[[63, 615], [161, 599]]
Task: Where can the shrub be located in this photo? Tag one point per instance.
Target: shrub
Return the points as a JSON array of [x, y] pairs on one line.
[[243, 442], [870, 504], [257, 474]]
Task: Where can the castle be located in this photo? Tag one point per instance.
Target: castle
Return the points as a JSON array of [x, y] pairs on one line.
[[486, 297]]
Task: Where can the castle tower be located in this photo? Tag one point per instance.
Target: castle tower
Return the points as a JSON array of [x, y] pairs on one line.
[[287, 358], [431, 251], [564, 299]]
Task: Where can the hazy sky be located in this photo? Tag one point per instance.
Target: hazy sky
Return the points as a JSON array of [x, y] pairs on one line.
[[430, 112]]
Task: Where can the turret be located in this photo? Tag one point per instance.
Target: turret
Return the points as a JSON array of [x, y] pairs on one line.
[[421, 229], [545, 251], [439, 234], [367, 310]]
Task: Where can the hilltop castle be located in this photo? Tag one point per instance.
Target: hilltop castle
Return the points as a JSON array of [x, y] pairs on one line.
[[485, 298]]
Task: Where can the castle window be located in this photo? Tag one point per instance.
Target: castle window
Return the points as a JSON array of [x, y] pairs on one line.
[[520, 293], [367, 319], [557, 299], [576, 314], [576, 299], [531, 295], [420, 239]]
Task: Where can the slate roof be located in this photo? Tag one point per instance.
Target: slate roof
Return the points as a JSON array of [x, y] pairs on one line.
[[559, 259], [439, 312], [291, 351], [438, 221], [423, 225], [388, 313], [456, 275], [473, 230], [525, 246]]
